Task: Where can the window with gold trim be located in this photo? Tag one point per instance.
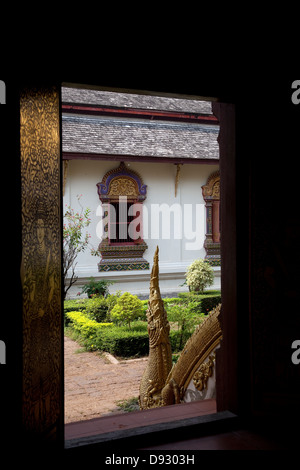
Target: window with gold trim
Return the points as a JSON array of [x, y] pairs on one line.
[[122, 193], [211, 196]]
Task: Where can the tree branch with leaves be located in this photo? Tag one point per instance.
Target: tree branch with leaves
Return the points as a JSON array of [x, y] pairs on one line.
[[75, 241]]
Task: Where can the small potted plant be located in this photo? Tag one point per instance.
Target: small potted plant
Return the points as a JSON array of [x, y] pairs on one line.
[[98, 288]]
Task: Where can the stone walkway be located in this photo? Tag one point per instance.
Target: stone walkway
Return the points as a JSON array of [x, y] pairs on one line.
[[93, 384]]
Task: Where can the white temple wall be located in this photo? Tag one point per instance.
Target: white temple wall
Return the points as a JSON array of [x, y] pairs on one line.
[[175, 255]]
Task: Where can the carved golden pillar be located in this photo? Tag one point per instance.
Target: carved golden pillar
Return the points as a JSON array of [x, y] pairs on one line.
[[216, 221], [42, 387], [211, 196]]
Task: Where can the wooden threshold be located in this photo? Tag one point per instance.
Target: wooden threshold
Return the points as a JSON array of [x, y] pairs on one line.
[[137, 428]]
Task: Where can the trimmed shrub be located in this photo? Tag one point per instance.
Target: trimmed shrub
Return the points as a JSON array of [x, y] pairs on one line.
[[196, 295], [119, 341], [128, 308], [97, 309], [210, 302], [201, 303], [175, 300], [83, 325], [75, 305], [134, 342], [124, 342], [86, 320]]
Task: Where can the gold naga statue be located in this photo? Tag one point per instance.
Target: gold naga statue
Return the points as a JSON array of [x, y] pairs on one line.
[[163, 384]]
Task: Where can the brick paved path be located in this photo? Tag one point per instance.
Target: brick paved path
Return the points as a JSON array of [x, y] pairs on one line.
[[93, 384]]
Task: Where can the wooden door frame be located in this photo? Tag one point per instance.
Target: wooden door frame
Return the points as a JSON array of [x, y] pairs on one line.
[[227, 381]]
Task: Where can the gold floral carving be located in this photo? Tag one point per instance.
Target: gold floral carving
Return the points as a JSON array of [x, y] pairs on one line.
[[216, 190], [121, 181], [205, 371], [212, 188], [123, 187]]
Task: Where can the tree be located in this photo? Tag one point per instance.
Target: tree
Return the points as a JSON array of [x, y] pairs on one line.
[[128, 307], [185, 318], [74, 242]]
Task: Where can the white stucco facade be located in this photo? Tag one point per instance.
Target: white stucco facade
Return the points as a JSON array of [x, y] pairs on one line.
[[177, 249]]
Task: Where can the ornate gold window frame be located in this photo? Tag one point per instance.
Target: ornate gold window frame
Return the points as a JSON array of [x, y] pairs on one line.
[[211, 196], [121, 182]]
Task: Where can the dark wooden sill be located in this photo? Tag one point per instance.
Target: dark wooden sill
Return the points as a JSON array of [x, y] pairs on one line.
[[137, 429]]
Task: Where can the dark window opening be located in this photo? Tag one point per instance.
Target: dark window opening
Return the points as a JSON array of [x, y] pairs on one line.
[[122, 229]]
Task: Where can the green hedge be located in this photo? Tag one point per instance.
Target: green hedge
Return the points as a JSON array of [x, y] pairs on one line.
[[123, 342], [202, 303], [84, 326], [210, 302], [119, 341], [88, 319], [97, 309], [75, 305]]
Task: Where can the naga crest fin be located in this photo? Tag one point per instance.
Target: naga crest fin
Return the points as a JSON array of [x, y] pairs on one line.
[[154, 280]]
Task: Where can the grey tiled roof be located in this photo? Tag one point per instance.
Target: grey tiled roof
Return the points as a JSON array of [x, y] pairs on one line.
[[131, 100], [119, 136], [137, 137]]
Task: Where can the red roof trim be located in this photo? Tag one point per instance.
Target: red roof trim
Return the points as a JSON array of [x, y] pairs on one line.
[[139, 113], [135, 158]]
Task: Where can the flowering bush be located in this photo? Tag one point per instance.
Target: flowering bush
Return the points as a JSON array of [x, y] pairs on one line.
[[74, 241], [199, 275]]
